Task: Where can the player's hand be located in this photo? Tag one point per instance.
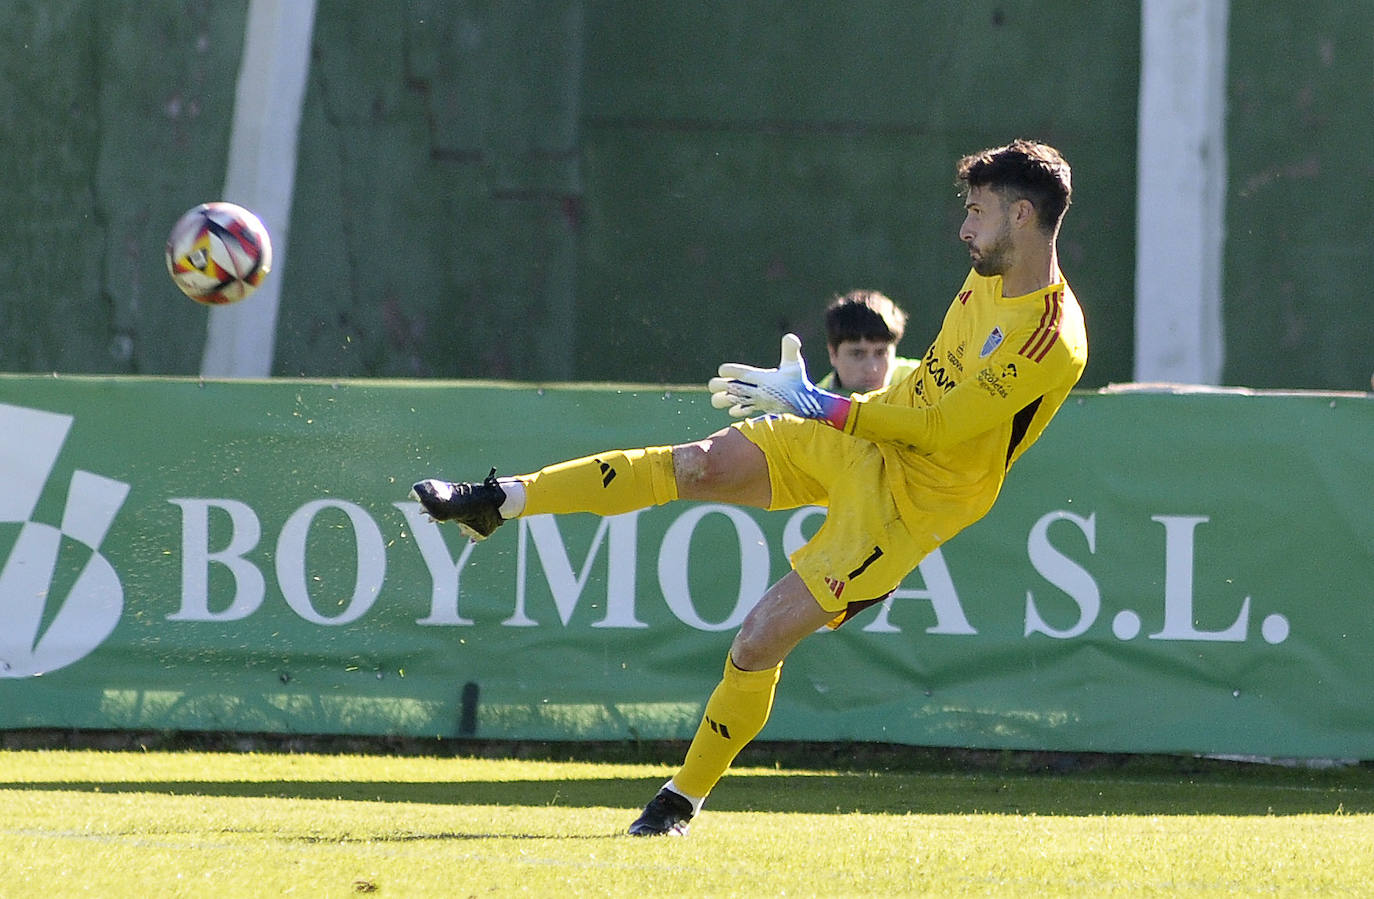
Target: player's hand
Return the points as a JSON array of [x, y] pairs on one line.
[[746, 390]]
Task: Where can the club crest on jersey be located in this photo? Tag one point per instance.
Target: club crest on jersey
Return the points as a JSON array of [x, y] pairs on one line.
[[993, 342]]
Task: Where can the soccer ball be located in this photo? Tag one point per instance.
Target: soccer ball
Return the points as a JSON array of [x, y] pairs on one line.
[[218, 253]]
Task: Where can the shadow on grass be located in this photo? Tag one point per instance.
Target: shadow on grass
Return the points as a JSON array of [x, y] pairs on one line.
[[447, 836], [864, 793]]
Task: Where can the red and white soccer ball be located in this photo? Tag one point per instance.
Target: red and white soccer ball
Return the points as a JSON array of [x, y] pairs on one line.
[[218, 253]]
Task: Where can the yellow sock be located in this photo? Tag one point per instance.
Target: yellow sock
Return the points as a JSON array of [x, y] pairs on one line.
[[605, 484], [735, 714]]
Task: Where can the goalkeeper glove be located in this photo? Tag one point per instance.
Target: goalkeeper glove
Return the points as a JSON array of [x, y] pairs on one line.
[[746, 390]]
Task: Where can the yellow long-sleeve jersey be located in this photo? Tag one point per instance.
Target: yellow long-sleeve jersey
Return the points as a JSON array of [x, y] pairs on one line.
[[994, 377]]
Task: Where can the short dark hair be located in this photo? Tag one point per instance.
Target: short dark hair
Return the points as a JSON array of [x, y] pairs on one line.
[[1023, 169], [863, 315]]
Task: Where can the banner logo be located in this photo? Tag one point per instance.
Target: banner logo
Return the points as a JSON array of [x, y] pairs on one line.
[[59, 597]]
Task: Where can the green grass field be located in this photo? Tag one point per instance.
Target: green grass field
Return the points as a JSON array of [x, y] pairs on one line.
[[153, 824]]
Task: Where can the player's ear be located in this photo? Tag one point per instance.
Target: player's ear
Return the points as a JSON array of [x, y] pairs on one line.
[[1022, 212]]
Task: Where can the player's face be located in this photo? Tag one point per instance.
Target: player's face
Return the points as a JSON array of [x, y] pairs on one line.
[[987, 231], [862, 365]]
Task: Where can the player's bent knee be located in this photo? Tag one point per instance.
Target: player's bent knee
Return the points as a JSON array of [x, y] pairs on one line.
[[691, 468], [725, 467], [781, 619], [702, 471]]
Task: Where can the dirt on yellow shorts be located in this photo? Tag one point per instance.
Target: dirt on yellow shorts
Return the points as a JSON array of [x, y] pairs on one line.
[[863, 550]]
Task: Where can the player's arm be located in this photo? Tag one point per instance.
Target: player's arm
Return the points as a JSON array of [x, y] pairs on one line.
[[1006, 383]]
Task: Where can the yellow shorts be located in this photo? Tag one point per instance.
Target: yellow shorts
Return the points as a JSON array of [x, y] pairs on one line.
[[863, 550]]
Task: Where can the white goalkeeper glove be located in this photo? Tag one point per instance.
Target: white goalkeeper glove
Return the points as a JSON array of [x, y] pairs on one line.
[[746, 390]]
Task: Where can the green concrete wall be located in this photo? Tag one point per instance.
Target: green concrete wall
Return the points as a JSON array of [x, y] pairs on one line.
[[611, 190], [742, 166], [114, 119], [615, 190], [1300, 209], [435, 223]]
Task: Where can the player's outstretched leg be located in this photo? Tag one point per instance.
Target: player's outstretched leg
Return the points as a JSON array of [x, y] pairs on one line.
[[475, 508], [607, 483]]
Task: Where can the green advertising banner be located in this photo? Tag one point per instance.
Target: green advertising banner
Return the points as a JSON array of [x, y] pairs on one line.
[[1163, 573]]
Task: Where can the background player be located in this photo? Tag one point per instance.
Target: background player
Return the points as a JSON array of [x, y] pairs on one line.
[[902, 469], [862, 330]]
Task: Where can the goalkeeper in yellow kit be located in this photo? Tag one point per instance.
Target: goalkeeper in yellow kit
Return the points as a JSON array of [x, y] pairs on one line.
[[901, 469]]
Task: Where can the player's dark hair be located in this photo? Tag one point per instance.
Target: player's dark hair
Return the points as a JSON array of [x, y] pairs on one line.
[[863, 315], [1023, 169]]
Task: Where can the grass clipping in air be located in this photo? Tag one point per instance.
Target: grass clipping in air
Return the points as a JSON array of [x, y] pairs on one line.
[[133, 824]]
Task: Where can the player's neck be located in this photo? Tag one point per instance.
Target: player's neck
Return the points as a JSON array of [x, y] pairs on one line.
[[1036, 269]]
